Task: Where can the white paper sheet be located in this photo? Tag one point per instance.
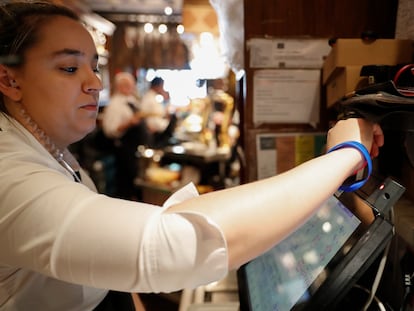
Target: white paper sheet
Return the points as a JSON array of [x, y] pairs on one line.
[[286, 96]]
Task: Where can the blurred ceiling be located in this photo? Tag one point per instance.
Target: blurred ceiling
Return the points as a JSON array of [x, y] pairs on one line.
[[105, 14], [155, 7]]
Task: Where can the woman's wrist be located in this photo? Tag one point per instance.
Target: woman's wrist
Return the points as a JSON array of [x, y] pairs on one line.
[[355, 185]]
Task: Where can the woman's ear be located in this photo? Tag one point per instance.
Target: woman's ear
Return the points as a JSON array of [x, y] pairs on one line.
[[8, 85]]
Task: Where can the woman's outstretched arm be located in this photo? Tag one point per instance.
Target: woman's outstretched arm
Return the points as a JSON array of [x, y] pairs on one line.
[[256, 216]]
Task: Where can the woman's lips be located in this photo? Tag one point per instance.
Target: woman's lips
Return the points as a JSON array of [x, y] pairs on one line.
[[91, 107]]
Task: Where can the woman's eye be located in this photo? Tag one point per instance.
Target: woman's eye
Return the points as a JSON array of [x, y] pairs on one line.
[[69, 69]]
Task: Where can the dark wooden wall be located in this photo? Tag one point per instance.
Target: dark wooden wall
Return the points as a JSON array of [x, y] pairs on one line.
[[324, 18], [299, 18]]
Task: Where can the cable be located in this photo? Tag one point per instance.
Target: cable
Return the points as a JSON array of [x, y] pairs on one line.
[[377, 279], [409, 67], [401, 70], [408, 281], [408, 284], [379, 303]]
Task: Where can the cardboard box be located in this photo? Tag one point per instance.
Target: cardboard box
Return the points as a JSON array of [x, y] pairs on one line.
[[344, 81], [352, 52]]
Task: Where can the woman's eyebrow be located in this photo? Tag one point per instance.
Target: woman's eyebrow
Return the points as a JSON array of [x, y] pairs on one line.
[[68, 52], [73, 52]]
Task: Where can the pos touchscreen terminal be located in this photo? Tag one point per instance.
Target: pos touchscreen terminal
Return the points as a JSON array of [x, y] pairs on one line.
[[316, 266]]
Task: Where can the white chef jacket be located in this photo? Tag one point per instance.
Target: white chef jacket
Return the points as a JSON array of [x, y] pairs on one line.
[[56, 234], [150, 105], [116, 113]]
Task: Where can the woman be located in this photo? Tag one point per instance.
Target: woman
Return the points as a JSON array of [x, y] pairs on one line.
[[62, 244]]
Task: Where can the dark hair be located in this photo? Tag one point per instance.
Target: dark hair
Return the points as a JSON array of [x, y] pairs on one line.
[[19, 28], [20, 22], [157, 81]]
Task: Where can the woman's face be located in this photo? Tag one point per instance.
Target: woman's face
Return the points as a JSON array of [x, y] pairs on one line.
[[59, 84]]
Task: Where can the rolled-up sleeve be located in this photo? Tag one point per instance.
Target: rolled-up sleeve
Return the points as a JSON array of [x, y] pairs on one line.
[[182, 249], [188, 245]]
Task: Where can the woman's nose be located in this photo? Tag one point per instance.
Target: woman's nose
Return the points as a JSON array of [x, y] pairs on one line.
[[93, 83]]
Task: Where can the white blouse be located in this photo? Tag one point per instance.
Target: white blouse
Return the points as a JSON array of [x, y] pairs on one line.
[[62, 245], [117, 112]]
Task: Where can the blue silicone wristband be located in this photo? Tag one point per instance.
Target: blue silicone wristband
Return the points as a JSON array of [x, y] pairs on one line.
[[361, 148]]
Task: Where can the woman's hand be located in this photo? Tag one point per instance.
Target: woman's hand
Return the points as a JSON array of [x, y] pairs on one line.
[[353, 129]]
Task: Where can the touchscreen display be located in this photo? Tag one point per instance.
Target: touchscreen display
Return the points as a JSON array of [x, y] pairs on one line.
[[281, 278]]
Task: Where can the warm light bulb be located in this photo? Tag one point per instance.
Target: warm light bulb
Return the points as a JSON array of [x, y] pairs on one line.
[[168, 10], [180, 29], [148, 27], [162, 28]]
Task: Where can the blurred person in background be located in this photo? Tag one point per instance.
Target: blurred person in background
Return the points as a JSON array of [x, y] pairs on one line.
[[155, 105], [123, 123]]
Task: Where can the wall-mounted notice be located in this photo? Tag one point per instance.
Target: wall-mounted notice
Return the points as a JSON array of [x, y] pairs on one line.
[[287, 53], [286, 96]]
